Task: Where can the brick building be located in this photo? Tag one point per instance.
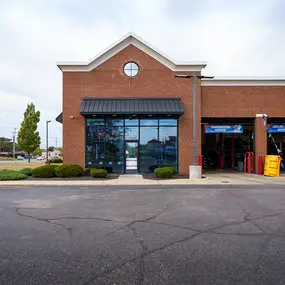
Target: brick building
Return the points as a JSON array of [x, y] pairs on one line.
[[126, 111]]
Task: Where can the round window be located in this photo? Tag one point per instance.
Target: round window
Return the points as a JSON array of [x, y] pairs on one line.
[[131, 69]]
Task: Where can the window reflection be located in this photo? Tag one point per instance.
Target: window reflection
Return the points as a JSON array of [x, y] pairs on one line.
[[131, 133], [149, 122], [168, 149], [114, 150], [131, 122], [92, 122], [149, 146], [114, 122], [167, 122]]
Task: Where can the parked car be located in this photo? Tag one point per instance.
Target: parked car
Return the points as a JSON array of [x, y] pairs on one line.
[[20, 157], [40, 158]]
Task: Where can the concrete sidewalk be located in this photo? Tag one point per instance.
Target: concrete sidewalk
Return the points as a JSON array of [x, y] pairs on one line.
[[233, 178]]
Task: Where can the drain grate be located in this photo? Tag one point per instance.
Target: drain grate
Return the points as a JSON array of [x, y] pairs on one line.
[[225, 181]]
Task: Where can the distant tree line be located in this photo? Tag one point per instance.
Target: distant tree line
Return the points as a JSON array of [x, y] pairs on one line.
[[6, 145]]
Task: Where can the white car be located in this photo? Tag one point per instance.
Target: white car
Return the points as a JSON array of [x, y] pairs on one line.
[[40, 158], [20, 157]]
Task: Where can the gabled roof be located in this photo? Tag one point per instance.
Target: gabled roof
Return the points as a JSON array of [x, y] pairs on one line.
[[130, 39]]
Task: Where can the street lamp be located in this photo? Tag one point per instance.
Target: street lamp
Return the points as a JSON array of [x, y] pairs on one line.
[[194, 76], [47, 122]]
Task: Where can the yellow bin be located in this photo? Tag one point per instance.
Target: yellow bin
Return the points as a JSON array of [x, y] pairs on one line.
[[272, 165]]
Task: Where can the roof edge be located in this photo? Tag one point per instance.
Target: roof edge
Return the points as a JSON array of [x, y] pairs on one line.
[[119, 45], [130, 98], [244, 81]]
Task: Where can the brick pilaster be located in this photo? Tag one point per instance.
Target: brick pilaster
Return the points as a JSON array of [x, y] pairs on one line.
[[260, 140]]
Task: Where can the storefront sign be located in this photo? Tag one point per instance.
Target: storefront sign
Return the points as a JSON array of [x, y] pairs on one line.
[[215, 129], [131, 163], [276, 128]]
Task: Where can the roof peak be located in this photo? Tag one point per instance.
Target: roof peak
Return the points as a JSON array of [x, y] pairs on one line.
[[131, 39]]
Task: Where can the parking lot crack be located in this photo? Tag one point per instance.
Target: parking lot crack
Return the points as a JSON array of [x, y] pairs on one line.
[[45, 220], [85, 218], [174, 226], [192, 236], [140, 221], [144, 251]]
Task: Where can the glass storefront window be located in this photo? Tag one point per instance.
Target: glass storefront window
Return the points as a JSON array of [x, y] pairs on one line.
[[106, 140], [91, 122], [167, 122], [168, 149], [114, 149], [149, 122], [149, 149], [114, 122], [97, 133], [95, 153], [131, 122], [131, 133]]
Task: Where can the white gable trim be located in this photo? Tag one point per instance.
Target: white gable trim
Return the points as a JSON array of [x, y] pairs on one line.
[[130, 39], [253, 81]]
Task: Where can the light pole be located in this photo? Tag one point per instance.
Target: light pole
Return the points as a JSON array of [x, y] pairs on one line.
[[14, 141], [47, 122], [194, 76]]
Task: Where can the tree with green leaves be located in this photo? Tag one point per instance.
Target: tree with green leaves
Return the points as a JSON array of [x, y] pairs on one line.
[[6, 145], [28, 137], [51, 148], [38, 151]]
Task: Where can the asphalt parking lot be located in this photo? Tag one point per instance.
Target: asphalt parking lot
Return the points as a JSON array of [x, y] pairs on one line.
[[193, 234]]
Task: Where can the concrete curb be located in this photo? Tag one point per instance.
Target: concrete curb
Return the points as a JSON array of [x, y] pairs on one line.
[[97, 184], [116, 183], [139, 181]]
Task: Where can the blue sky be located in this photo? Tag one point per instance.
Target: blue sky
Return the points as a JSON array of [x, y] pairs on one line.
[[236, 38]]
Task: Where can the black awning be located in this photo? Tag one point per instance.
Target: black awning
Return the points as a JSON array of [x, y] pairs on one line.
[[132, 106], [59, 118]]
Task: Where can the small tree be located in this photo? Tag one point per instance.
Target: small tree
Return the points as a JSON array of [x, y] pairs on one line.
[[28, 137], [51, 148]]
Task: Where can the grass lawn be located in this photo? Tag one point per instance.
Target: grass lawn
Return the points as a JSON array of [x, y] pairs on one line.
[[19, 165], [7, 158]]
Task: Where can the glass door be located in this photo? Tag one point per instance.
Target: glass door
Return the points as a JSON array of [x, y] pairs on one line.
[[131, 157]]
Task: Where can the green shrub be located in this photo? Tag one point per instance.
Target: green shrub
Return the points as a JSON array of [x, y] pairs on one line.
[[171, 168], [27, 171], [163, 172], [69, 170], [56, 160], [98, 173], [11, 175], [54, 166], [45, 171], [87, 171]]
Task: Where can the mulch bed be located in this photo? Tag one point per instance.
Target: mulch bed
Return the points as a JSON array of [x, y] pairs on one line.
[[153, 177], [80, 178]]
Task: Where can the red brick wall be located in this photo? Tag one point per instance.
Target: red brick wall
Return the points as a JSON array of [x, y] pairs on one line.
[[243, 101], [260, 142], [109, 81], [155, 80]]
